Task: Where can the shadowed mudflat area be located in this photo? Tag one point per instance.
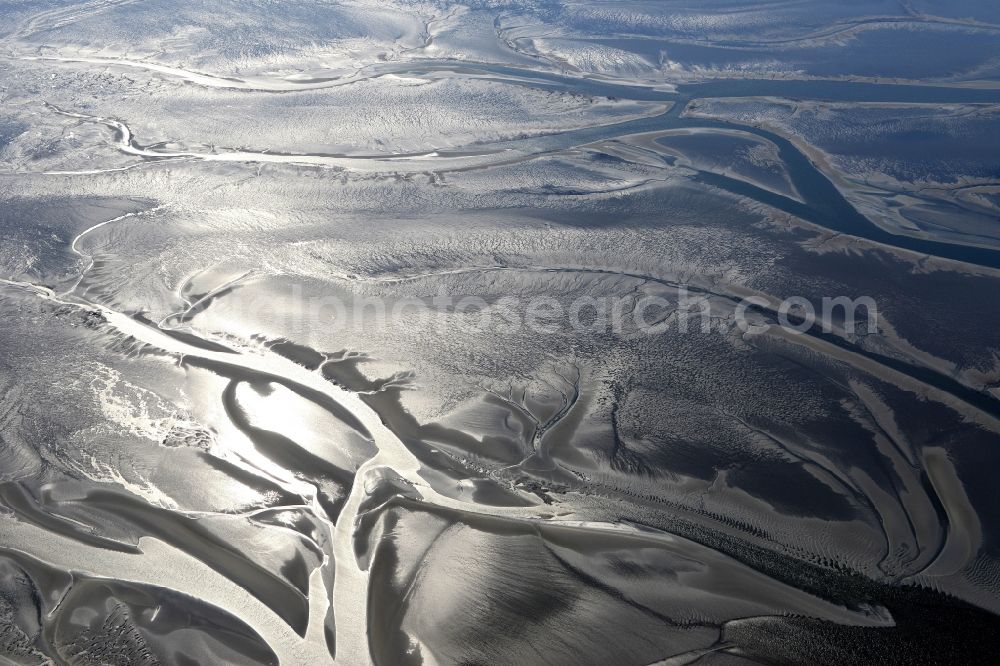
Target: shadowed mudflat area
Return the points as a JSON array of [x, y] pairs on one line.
[[535, 332]]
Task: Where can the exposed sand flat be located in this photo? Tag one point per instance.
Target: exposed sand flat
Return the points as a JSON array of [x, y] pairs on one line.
[[449, 333]]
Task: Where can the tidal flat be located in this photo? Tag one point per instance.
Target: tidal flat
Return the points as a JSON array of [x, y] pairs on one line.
[[539, 332]]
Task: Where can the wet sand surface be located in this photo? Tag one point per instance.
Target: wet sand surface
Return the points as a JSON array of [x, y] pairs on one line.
[[269, 392]]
